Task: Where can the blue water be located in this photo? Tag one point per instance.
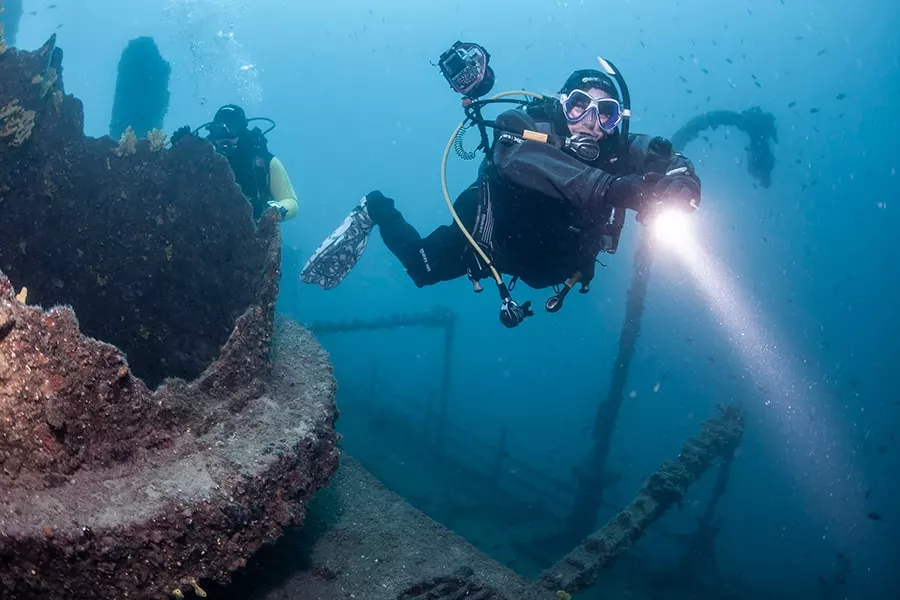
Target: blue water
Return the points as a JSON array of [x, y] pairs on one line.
[[792, 311]]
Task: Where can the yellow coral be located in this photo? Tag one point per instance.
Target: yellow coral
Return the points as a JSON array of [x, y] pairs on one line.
[[127, 143], [22, 296], [17, 122], [157, 139]]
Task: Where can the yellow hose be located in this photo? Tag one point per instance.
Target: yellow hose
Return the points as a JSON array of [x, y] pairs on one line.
[[446, 191]]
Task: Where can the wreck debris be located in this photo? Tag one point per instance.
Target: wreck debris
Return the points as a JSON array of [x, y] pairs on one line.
[[142, 89], [438, 317], [10, 15], [581, 568], [107, 488], [593, 477], [758, 125], [96, 229]]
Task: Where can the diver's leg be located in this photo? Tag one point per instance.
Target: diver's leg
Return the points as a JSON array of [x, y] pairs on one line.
[[437, 257], [434, 258]]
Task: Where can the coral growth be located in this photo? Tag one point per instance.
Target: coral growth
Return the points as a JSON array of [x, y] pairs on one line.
[[127, 143], [16, 122], [157, 138]]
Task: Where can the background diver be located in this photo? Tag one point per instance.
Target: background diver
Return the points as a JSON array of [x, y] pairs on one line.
[[540, 212], [260, 175]]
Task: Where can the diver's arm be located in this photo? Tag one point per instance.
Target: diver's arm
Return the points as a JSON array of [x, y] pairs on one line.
[[647, 154], [671, 175], [281, 189], [545, 168]]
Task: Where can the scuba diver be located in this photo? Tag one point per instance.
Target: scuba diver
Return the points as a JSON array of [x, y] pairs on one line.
[[260, 175], [550, 195]]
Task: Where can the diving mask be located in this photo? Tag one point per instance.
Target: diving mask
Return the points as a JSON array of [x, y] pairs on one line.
[[578, 105]]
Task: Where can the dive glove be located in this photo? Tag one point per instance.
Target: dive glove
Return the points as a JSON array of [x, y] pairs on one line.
[[281, 208], [675, 190], [627, 191]]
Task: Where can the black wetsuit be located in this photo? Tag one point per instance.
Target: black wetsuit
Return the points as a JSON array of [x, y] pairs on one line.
[[250, 163], [548, 208]]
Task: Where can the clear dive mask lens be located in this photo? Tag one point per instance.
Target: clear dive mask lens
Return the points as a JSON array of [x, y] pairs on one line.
[[579, 105]]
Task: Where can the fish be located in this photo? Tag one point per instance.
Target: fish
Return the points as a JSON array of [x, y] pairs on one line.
[[840, 96], [821, 52], [874, 516], [813, 111], [792, 104], [705, 71]]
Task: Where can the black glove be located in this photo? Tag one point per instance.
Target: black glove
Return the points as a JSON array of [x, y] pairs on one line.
[[678, 191], [180, 133], [629, 191]]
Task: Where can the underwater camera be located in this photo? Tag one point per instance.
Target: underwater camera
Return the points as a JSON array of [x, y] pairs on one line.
[[465, 67]]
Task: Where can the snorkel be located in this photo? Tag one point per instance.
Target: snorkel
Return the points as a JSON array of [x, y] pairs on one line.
[[465, 67]]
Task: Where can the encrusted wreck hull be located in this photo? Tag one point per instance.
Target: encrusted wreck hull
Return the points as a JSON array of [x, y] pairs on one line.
[[109, 489]]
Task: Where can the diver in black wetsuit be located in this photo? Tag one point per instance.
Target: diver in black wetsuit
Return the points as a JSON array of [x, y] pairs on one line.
[[539, 211], [259, 173]]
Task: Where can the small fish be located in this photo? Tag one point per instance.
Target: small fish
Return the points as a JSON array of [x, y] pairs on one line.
[[798, 38], [681, 77], [705, 71], [792, 104], [840, 96], [729, 61], [756, 83], [875, 516], [822, 582], [813, 111], [881, 450], [821, 52]]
